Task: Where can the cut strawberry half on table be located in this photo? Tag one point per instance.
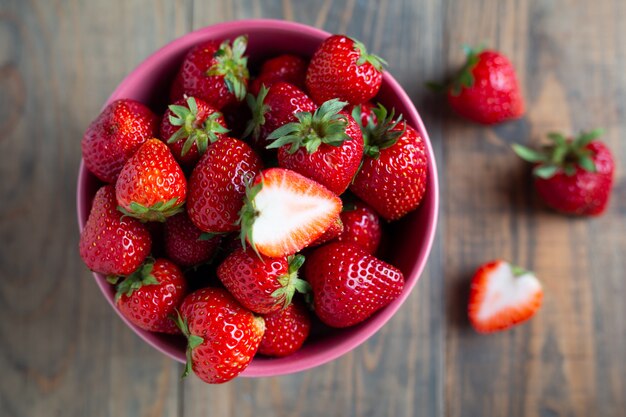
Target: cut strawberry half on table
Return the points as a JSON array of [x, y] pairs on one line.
[[502, 296], [284, 212]]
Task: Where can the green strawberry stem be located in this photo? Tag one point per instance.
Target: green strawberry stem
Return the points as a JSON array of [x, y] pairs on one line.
[[364, 56], [142, 276], [290, 282], [518, 271], [247, 216], [158, 212], [326, 125], [193, 341], [380, 134], [258, 109], [562, 155], [233, 65], [200, 133]]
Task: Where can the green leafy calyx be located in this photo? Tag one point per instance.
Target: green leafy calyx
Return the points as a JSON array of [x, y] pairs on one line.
[[381, 132], [290, 283], [233, 65], [258, 109], [248, 215], [364, 56], [142, 276], [193, 341], [465, 78], [158, 212]]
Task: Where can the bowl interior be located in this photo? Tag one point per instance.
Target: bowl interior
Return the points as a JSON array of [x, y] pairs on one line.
[[410, 239]]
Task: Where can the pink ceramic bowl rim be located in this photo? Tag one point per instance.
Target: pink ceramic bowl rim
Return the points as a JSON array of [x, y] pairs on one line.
[[372, 325]]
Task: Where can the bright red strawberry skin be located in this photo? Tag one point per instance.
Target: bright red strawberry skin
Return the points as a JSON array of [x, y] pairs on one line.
[[151, 176], [151, 306], [252, 279], [288, 68], [495, 95], [115, 135], [285, 330], [394, 184], [183, 244], [361, 226], [218, 184], [190, 158], [334, 73], [231, 334], [349, 285], [332, 166], [584, 193], [334, 231], [112, 244]]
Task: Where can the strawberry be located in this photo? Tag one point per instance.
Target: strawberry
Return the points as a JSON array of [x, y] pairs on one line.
[[262, 285], [151, 186], [288, 68], [502, 296], [111, 243], [151, 294], [274, 107], [486, 89], [222, 336], [187, 245], [285, 330], [361, 226], [188, 126], [285, 211], [326, 146], [341, 68], [366, 112], [393, 175], [573, 176], [218, 184], [115, 136], [215, 72], [349, 284]]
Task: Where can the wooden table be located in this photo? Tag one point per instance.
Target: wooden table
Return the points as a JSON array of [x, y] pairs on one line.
[[63, 352]]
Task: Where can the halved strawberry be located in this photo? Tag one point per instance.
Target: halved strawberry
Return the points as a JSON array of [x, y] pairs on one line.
[[502, 296], [284, 212]]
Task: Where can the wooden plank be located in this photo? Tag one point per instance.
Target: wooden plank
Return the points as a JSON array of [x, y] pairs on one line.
[[62, 349]]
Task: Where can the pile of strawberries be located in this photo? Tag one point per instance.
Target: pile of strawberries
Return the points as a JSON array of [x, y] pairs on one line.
[[281, 185]]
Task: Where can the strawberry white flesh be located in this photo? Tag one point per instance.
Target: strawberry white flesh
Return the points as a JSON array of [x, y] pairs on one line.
[[289, 212], [503, 296]]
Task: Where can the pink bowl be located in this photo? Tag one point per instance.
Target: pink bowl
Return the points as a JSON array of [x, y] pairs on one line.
[[410, 238]]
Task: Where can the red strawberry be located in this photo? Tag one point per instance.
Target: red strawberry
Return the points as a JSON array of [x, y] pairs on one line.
[[361, 226], [274, 107], [222, 336], [502, 296], [335, 229], [262, 285], [187, 245], [285, 330], [393, 175], [151, 186], [326, 146], [573, 176], [349, 284], [115, 136], [284, 212], [112, 243], [341, 68], [151, 294], [215, 72], [366, 113], [218, 184], [486, 89], [188, 126], [288, 68]]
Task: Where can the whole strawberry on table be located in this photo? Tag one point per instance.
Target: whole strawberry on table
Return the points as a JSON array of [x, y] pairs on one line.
[[312, 139]]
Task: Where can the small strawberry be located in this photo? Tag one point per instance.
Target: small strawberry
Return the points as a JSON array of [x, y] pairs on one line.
[[326, 146], [502, 296], [393, 175], [111, 243], [486, 89], [187, 245], [284, 212], [218, 184], [151, 294], [222, 336], [115, 135], [189, 126], [151, 186], [285, 330], [288, 68], [341, 68], [262, 285], [573, 176], [361, 226], [366, 111], [349, 284], [214, 72]]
